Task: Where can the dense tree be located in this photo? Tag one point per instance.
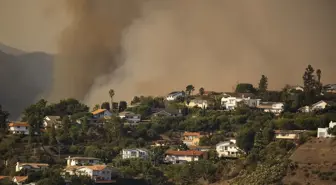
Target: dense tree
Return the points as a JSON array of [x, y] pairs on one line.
[[135, 100], [114, 129], [310, 85], [68, 106], [245, 88], [245, 139], [190, 89], [3, 118], [111, 93], [122, 106], [201, 91], [52, 135], [96, 107], [263, 84], [105, 105]]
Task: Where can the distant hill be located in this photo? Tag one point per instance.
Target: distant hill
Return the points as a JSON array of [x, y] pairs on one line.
[[23, 78], [10, 50]]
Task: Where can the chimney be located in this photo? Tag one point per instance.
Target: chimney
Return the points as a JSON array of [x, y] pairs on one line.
[[17, 168], [69, 161]]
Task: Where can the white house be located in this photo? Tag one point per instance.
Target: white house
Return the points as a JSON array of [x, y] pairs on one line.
[[274, 107], [101, 113], [323, 132], [52, 120], [130, 117], [319, 105], [30, 166], [231, 102], [228, 149], [80, 161], [288, 134], [297, 88], [98, 173], [135, 153], [198, 103], [172, 156], [19, 128], [314, 107], [174, 95]]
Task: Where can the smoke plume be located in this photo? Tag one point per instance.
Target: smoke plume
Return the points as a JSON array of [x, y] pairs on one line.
[[216, 43], [151, 47]]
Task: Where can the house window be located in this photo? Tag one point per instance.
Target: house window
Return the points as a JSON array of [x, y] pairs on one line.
[[18, 127], [225, 148]]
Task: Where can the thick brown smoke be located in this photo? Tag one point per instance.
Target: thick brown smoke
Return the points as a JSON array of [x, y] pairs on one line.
[[155, 46], [90, 45]]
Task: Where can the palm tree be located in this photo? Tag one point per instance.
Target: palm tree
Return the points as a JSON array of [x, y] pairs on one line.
[[189, 89], [111, 93], [201, 91], [318, 73]]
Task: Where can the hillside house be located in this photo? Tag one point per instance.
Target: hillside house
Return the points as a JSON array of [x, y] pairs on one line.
[[191, 138], [30, 166], [20, 180], [98, 173], [288, 134], [323, 132], [130, 117], [330, 88], [101, 113], [230, 102], [273, 107], [159, 143], [19, 128], [52, 120], [81, 161], [228, 149], [315, 107], [135, 153], [174, 157], [198, 103], [175, 95]]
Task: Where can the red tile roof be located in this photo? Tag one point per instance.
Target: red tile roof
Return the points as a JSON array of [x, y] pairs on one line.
[[192, 134], [98, 111], [20, 178], [16, 124], [3, 177], [185, 153]]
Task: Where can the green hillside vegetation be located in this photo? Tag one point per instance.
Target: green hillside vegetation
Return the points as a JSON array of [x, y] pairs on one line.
[[266, 160]]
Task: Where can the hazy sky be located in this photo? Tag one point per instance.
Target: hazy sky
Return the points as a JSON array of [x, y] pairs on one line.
[[32, 24]]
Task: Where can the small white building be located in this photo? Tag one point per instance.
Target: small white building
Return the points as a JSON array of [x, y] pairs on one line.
[[52, 120], [198, 103], [323, 132], [98, 173], [19, 128], [172, 156], [81, 161], [273, 107], [101, 113], [135, 153], [175, 95], [288, 134], [228, 149], [130, 117], [297, 88]]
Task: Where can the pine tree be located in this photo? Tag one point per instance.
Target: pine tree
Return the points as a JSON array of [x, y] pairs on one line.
[[263, 84]]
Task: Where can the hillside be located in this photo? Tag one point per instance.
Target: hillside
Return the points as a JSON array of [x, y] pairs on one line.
[[315, 163], [10, 50], [23, 78]]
